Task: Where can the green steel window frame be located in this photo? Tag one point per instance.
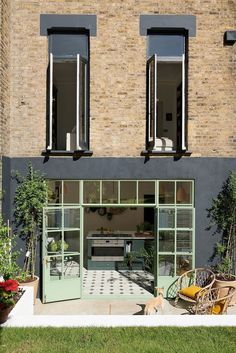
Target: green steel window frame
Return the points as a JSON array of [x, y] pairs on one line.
[[119, 204], [175, 229], [157, 206]]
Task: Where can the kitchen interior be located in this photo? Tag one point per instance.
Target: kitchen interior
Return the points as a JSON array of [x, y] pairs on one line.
[[118, 250]]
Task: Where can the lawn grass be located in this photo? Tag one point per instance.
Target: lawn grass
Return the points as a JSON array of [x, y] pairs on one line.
[[118, 340]]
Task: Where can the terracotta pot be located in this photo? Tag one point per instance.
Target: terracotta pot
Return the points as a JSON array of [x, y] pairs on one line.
[[32, 283], [222, 283], [4, 314]]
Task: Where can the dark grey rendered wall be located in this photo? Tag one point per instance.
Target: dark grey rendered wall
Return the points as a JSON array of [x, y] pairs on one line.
[[208, 174]]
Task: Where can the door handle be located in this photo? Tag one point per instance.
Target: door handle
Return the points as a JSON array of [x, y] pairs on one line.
[[46, 261]]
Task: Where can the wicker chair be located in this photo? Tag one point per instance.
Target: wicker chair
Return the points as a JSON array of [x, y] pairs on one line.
[[213, 302], [193, 283]]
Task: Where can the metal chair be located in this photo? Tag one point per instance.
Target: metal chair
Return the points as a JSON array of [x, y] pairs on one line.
[[214, 301], [192, 284]]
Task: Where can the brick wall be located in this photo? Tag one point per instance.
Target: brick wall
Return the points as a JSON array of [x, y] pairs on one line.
[[4, 81], [118, 82], [4, 75]]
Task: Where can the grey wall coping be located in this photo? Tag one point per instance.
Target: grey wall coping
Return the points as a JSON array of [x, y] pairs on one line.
[[187, 22], [49, 21]]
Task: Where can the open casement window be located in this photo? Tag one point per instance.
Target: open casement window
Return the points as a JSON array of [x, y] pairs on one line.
[[68, 97], [68, 106], [166, 121]]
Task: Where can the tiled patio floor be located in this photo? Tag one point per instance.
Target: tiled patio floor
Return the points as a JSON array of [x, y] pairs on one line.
[[133, 283]]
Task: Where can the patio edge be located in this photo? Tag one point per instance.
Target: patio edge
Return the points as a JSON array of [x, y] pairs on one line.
[[120, 321]]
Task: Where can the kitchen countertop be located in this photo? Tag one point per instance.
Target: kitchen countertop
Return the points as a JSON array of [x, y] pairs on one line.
[[118, 235]]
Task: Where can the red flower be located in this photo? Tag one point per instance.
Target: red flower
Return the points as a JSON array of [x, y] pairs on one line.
[[9, 286]]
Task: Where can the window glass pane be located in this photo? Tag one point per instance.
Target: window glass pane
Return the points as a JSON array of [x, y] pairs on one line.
[[91, 192], [184, 192], [184, 218], [55, 265], [71, 266], [68, 45], [64, 106], [72, 241], [167, 218], [184, 241], [128, 192], [53, 219], [166, 241], [166, 192], [53, 239], [183, 264], [71, 218], [169, 96], [146, 192], [166, 45], [109, 192], [71, 191], [82, 106], [166, 265], [55, 191], [151, 99]]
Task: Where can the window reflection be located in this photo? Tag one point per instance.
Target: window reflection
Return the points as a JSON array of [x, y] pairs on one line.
[[184, 192], [183, 264], [167, 218], [71, 192], [128, 192], [166, 241], [166, 265], [92, 191], [184, 218], [55, 191], [184, 241], [166, 192], [109, 192]]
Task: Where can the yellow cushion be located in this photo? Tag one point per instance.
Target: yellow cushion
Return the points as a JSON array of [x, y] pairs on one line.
[[190, 291], [217, 308]]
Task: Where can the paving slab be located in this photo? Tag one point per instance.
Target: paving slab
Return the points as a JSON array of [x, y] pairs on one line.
[[101, 307]]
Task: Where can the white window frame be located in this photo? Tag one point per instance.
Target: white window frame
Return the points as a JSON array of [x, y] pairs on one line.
[[183, 104], [77, 101], [80, 145], [152, 142], [50, 100]]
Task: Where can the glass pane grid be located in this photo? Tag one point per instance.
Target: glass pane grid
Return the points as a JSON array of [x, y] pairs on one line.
[[181, 259], [164, 188]]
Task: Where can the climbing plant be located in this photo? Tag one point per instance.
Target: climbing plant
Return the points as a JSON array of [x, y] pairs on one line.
[[30, 198], [223, 215]]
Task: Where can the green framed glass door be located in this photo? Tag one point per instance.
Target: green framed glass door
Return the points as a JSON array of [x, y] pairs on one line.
[[64, 233], [62, 260], [175, 246]]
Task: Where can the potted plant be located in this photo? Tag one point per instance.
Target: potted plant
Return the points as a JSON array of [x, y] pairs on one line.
[[130, 258], [148, 255], [30, 198], [8, 298], [223, 216], [8, 256]]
